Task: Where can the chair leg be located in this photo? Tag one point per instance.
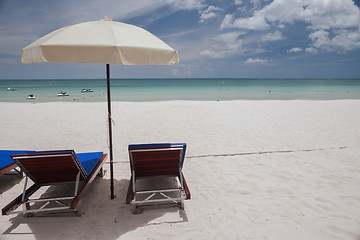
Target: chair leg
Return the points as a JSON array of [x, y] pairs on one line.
[[187, 190], [19, 172], [14, 204], [136, 209], [101, 172], [182, 204], [88, 182], [130, 193], [26, 206]]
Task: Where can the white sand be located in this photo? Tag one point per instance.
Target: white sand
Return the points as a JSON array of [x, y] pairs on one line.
[[256, 169]]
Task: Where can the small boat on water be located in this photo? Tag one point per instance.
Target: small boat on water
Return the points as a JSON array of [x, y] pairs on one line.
[[60, 94], [86, 90], [31, 96], [11, 89]]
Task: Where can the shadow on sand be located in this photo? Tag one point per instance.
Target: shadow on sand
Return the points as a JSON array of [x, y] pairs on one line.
[[9, 180], [101, 217]]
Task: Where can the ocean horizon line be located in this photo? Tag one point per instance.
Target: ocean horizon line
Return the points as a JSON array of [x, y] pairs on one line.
[[186, 78]]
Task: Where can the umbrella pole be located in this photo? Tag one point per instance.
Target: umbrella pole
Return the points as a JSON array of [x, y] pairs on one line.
[[110, 132]]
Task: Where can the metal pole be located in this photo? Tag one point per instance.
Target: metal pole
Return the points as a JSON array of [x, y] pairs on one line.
[[110, 132]]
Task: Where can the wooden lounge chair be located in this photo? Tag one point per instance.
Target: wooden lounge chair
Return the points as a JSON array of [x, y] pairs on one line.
[[7, 164], [48, 168], [151, 161]]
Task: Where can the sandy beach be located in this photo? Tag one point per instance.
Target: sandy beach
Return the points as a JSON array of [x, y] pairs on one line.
[[255, 169]]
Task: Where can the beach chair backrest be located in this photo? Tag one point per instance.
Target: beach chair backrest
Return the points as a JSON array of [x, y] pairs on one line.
[[50, 166], [156, 159]]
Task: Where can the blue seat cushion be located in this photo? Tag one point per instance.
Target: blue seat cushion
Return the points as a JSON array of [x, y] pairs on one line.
[[89, 160], [6, 160]]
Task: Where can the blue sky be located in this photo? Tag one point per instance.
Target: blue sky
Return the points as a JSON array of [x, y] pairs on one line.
[[214, 38]]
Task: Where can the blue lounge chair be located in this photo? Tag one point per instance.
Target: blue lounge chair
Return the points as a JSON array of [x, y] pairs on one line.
[[6, 163], [46, 168], [150, 161]]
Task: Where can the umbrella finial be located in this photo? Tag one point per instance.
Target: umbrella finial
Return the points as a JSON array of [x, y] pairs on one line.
[[107, 19]]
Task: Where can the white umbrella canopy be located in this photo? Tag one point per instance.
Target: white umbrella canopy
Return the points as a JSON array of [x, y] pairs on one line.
[[103, 41]]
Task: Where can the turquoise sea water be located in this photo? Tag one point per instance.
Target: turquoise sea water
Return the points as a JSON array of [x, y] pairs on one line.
[[136, 90]]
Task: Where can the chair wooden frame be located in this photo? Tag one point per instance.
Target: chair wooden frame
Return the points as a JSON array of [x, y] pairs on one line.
[[8, 168], [51, 168], [153, 160]]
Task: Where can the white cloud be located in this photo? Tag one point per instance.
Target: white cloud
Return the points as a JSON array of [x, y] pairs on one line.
[[90, 10], [237, 2], [294, 50], [257, 23], [86, 10], [346, 39], [255, 2], [252, 23], [208, 13], [256, 61], [335, 23], [282, 11], [206, 16], [275, 36], [211, 9], [230, 39], [178, 34], [224, 45], [320, 38], [342, 40], [331, 14], [186, 4], [320, 14], [213, 54], [275, 11], [311, 50], [227, 22]]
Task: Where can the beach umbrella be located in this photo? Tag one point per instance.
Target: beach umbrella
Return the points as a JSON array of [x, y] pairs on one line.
[[103, 41]]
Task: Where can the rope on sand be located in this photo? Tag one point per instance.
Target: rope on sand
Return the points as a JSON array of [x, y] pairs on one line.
[[266, 152]]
